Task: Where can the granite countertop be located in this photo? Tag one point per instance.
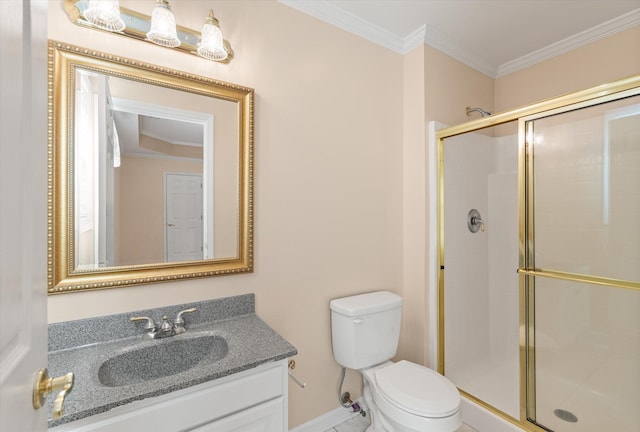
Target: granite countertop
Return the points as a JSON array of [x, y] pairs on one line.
[[82, 346]]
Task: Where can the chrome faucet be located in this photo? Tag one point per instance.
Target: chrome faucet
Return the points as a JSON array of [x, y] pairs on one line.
[[178, 324], [166, 329]]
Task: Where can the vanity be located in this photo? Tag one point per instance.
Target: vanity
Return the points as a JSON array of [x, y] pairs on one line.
[[227, 371]]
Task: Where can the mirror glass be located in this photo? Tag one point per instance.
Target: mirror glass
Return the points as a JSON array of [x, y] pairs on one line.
[[151, 173]]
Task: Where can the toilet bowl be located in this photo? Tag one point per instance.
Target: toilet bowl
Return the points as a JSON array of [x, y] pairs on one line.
[[406, 397], [402, 396]]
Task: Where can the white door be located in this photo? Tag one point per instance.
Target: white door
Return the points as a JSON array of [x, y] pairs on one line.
[[23, 211], [183, 217]]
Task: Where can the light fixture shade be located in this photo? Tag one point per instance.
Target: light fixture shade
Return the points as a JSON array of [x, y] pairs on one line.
[[211, 45], [163, 26], [104, 14]]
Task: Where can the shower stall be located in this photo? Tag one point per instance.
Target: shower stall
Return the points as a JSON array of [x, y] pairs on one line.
[[538, 261]]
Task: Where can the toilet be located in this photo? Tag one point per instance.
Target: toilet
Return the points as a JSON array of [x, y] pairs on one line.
[[402, 396]]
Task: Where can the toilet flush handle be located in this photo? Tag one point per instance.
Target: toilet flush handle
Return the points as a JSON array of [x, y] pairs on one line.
[[358, 321]]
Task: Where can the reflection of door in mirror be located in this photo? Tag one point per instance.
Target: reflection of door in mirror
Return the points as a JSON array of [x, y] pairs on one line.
[[183, 215]]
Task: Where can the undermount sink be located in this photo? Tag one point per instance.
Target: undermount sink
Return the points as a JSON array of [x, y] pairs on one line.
[[164, 358]]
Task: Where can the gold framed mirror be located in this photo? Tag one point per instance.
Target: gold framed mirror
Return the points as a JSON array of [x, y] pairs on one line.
[[150, 173]]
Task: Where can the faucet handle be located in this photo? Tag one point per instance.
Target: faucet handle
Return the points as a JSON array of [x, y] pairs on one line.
[[150, 326], [178, 323], [179, 319]]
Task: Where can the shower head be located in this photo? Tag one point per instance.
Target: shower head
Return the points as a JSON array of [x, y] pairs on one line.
[[482, 112]]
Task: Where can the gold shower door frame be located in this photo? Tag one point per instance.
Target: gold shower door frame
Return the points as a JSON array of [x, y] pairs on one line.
[[527, 272]]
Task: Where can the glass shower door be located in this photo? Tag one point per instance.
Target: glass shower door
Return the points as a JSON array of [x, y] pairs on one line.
[[539, 307], [584, 250]]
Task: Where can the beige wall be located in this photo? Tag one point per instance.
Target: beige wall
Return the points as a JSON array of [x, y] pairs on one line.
[[439, 88], [341, 182], [414, 214], [328, 137], [452, 86]]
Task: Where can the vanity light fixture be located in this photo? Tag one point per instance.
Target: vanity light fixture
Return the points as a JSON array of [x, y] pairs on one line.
[[104, 14], [211, 44], [160, 28], [163, 26]]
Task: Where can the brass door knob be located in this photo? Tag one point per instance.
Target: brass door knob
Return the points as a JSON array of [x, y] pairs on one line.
[[45, 385]]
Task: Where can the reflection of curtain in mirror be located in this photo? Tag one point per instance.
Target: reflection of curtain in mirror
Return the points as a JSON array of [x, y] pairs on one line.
[[95, 148], [84, 185], [107, 145], [116, 145]]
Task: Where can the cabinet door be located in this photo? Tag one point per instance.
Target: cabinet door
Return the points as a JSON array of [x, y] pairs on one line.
[[266, 417]]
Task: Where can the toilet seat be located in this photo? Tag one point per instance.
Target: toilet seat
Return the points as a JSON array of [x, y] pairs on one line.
[[405, 418], [417, 389]]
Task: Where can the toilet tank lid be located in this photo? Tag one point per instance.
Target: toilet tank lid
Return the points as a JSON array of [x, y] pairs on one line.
[[363, 304]]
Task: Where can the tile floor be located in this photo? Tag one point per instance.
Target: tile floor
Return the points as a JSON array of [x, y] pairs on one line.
[[359, 424]]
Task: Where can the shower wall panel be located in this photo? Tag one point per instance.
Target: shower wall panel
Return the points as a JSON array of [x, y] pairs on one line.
[[503, 266], [481, 285], [468, 159]]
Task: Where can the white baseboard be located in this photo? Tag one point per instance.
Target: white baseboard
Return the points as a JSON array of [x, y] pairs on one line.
[[328, 420]]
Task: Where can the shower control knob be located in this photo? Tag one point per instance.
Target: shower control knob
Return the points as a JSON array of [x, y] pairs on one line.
[[474, 221]]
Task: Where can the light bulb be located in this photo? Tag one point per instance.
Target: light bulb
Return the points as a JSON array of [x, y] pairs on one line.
[[104, 14], [211, 45], [163, 26]]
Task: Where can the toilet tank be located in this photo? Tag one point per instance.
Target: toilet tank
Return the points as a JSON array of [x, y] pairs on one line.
[[365, 328]]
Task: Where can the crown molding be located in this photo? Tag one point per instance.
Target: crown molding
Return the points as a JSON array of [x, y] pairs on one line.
[[608, 28], [331, 14], [441, 42], [414, 40]]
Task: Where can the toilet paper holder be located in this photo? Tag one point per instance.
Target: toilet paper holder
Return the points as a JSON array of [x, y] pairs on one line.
[[291, 366]]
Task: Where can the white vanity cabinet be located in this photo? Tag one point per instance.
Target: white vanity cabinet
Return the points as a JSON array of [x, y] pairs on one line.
[[254, 400]]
